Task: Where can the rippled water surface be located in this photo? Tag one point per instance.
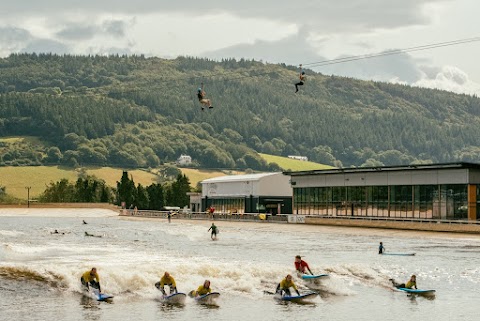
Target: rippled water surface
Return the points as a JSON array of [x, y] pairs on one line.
[[40, 271]]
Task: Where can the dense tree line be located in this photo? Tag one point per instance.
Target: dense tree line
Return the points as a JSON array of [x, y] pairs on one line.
[[85, 190], [133, 111]]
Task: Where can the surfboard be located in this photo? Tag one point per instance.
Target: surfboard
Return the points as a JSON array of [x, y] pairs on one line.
[[208, 298], [312, 277], [175, 298], [296, 298], [414, 291], [95, 294], [400, 254]]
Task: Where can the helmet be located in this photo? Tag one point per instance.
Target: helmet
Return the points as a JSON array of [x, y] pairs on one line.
[[199, 89], [303, 72]]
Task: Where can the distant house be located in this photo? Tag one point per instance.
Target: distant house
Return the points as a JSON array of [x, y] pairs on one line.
[[184, 160], [300, 158]]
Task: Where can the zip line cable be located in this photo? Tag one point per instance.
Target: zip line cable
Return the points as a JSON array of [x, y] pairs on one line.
[[392, 52], [225, 75]]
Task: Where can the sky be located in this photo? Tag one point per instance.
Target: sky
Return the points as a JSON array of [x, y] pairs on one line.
[[274, 31]]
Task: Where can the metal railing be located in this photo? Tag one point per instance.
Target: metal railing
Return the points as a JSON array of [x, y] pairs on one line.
[[249, 217], [395, 219]]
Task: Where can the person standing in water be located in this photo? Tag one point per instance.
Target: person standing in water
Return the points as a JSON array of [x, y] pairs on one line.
[[381, 248], [214, 229]]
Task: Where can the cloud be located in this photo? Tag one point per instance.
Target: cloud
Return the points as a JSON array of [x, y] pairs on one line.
[[46, 46], [290, 50], [77, 32], [12, 39], [450, 78], [325, 14]]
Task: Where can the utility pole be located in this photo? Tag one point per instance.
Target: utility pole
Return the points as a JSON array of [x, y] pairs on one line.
[[28, 195]]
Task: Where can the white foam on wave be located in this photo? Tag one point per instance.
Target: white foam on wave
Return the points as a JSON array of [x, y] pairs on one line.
[[11, 233]]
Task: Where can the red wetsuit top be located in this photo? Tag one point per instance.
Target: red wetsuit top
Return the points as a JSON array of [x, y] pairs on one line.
[[301, 266]]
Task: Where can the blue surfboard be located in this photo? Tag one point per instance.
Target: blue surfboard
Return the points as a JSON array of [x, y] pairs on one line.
[[175, 298], [312, 277], [415, 291], [208, 298], [399, 254], [296, 298], [100, 296]]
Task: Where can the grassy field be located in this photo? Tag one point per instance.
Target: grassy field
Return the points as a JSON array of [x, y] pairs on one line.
[[17, 178], [292, 164], [198, 175]]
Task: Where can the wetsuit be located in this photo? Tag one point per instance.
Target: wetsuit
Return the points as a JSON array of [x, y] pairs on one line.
[[301, 266], [203, 290], [88, 279], [170, 281], [301, 82], [411, 284], [214, 230], [381, 249], [285, 286]]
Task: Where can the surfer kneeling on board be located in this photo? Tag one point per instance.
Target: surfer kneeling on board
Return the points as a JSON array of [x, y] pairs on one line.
[[283, 288], [91, 278], [301, 266], [167, 279], [202, 289], [412, 283]]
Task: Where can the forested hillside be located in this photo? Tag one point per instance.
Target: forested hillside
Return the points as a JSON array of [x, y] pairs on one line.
[[133, 111]]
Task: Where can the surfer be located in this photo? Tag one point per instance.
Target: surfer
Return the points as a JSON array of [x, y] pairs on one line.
[[88, 234], [167, 279], [57, 232], [91, 278], [202, 289], [301, 265], [283, 288], [412, 283], [84, 222], [381, 248], [214, 229]]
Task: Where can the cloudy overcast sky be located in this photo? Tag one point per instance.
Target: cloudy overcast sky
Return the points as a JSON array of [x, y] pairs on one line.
[[286, 31]]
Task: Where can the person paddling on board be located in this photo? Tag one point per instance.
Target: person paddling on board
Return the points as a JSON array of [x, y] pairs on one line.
[[283, 288], [301, 266], [302, 77], [412, 283], [381, 248], [214, 229], [202, 289], [91, 278], [202, 98], [167, 279]]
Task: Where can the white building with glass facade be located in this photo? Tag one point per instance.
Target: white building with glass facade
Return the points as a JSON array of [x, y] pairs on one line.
[[433, 191]]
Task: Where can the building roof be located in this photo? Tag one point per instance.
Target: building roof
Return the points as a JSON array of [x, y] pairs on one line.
[[387, 169], [238, 178]]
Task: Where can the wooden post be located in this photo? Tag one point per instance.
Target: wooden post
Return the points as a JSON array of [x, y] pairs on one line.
[[472, 202]]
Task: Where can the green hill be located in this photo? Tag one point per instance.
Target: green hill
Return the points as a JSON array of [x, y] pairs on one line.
[[286, 163], [132, 111]]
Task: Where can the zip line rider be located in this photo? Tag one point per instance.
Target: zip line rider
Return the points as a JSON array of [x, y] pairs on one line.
[[202, 98], [302, 77]]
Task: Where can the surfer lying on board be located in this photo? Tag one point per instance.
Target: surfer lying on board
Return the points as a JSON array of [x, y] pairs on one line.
[[167, 279], [301, 266], [412, 283], [91, 278], [202, 289], [381, 248], [283, 288]]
